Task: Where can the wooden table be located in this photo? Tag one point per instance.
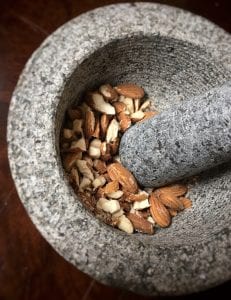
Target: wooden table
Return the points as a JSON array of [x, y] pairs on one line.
[[29, 267]]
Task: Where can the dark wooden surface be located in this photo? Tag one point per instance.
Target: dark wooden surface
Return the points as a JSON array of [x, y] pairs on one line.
[[29, 267]]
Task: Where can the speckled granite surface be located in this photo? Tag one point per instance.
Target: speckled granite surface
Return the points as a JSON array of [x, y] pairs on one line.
[[185, 140], [173, 55]]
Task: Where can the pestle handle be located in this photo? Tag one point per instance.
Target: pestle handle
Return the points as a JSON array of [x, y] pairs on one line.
[[182, 141]]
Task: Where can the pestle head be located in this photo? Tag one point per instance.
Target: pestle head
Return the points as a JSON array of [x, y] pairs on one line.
[[182, 141]]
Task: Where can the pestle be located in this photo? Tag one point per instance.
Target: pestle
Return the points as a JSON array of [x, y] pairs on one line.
[[182, 141]]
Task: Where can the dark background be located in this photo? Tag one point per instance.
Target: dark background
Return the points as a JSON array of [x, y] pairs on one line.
[[29, 267]]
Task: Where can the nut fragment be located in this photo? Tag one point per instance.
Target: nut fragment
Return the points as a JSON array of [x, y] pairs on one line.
[[94, 148], [111, 206], [159, 212], [100, 202], [85, 183], [150, 219], [119, 106], [142, 195], [145, 105], [137, 116], [129, 104], [111, 187], [67, 133], [125, 121], [115, 195], [136, 104], [77, 126], [139, 205], [75, 176], [89, 124], [140, 224], [100, 166], [104, 122], [125, 224], [114, 146], [96, 101], [70, 160], [96, 132], [79, 144], [130, 90], [108, 92], [172, 212], [84, 169], [112, 131], [117, 172], [99, 181]]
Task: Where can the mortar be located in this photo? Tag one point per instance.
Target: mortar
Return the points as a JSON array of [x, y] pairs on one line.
[[173, 55]]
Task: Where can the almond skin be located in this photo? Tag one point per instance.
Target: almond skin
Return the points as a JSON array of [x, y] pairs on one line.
[[125, 121], [96, 132], [140, 224], [117, 172], [119, 106], [104, 122], [159, 212], [172, 212], [136, 197], [114, 146], [130, 90]]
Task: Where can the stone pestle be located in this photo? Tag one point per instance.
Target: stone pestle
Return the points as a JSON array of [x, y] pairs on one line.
[[185, 140]]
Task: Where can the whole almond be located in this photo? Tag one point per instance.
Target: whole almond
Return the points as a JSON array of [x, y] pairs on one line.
[[130, 90], [174, 189], [140, 224], [117, 172], [89, 124], [159, 212], [169, 200], [187, 203]]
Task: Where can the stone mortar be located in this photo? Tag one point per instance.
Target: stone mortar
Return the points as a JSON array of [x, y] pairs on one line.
[[173, 55]]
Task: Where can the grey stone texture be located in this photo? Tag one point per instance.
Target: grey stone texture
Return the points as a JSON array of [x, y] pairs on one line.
[[174, 55], [182, 141]]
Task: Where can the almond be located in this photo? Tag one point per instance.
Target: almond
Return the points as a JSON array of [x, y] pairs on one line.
[[174, 189], [100, 166], [84, 169], [108, 92], [70, 160], [125, 224], [125, 121], [129, 104], [94, 148], [112, 131], [137, 116], [172, 212], [96, 132], [111, 187], [105, 152], [148, 115], [104, 122], [100, 193], [169, 200], [140, 224], [117, 172], [88, 159], [79, 144], [159, 212], [136, 197], [130, 90], [136, 104], [100, 202], [140, 205], [145, 105], [85, 183], [77, 126], [98, 182], [67, 133], [111, 206], [187, 203], [114, 146], [96, 101], [150, 219], [119, 106], [74, 113], [115, 195], [75, 176], [89, 124]]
